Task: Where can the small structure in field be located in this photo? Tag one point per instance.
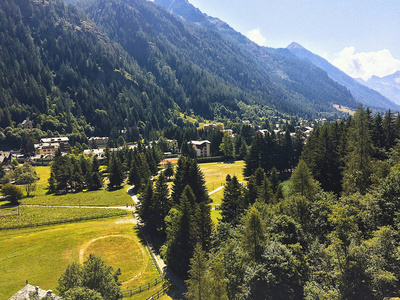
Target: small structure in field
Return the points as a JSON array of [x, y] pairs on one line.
[[28, 289]]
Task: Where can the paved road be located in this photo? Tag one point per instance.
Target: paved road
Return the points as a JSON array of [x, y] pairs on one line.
[[216, 190], [170, 275]]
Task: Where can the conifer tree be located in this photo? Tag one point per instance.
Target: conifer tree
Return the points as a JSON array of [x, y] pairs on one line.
[[253, 234], [115, 172], [203, 225], [146, 208], [179, 246], [160, 202], [358, 169], [198, 282], [302, 182], [96, 181], [388, 126], [232, 202]]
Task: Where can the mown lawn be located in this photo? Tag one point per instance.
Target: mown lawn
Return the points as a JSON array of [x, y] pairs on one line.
[[215, 173], [39, 216], [42, 254]]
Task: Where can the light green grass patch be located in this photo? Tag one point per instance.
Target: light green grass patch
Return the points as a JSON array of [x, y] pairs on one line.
[[39, 216], [87, 198], [215, 216], [215, 173], [42, 254]]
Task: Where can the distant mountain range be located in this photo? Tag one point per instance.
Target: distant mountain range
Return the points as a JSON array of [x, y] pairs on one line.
[[388, 86], [368, 96], [276, 60]]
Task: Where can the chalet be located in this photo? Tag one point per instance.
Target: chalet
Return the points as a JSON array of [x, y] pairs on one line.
[[5, 158], [213, 126], [62, 142], [46, 149], [100, 142], [202, 148], [27, 290], [27, 123]]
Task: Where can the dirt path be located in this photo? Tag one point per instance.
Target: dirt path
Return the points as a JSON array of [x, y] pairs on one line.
[[86, 245]]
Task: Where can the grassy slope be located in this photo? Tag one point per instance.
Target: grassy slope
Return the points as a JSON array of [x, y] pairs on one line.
[[41, 255], [93, 198], [39, 216]]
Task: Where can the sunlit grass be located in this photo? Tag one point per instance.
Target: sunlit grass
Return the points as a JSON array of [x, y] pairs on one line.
[[42, 254], [215, 173]]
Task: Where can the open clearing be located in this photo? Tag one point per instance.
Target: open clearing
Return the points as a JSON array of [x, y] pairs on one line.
[[215, 173], [42, 254]]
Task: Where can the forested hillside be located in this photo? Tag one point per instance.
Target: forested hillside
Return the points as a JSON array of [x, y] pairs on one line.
[[60, 70], [304, 87], [132, 67]]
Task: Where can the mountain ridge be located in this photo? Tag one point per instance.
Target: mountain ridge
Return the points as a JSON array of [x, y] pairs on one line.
[[388, 86], [361, 93]]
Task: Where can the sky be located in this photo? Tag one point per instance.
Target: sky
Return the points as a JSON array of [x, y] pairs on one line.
[[360, 37]]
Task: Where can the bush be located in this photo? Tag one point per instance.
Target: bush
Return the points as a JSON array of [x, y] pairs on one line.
[[13, 192]]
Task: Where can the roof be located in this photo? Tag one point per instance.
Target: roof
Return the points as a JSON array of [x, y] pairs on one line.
[[55, 139], [199, 142], [4, 156], [23, 294]]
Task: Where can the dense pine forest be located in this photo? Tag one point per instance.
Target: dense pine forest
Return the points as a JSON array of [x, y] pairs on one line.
[[331, 234], [105, 66]]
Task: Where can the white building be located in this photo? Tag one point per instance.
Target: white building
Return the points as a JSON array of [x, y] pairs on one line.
[[202, 148]]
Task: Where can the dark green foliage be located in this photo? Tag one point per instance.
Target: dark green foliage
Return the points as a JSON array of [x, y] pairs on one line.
[[161, 203], [169, 170], [277, 277], [12, 192], [96, 179], [179, 245], [82, 293], [358, 168], [115, 172], [203, 225], [232, 202], [72, 174], [189, 173], [93, 275]]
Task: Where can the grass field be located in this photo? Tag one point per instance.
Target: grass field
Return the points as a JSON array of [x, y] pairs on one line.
[[39, 216], [87, 198], [215, 173], [41, 254]]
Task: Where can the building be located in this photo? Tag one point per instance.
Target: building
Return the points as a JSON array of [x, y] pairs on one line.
[[101, 142], [62, 142], [202, 148], [23, 294], [44, 149], [27, 124], [99, 153], [5, 158], [213, 126]]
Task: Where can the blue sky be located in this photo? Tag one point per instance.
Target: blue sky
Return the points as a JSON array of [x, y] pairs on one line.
[[360, 37]]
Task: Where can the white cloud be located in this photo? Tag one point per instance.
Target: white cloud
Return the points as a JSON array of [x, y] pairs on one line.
[[256, 36], [366, 64]]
